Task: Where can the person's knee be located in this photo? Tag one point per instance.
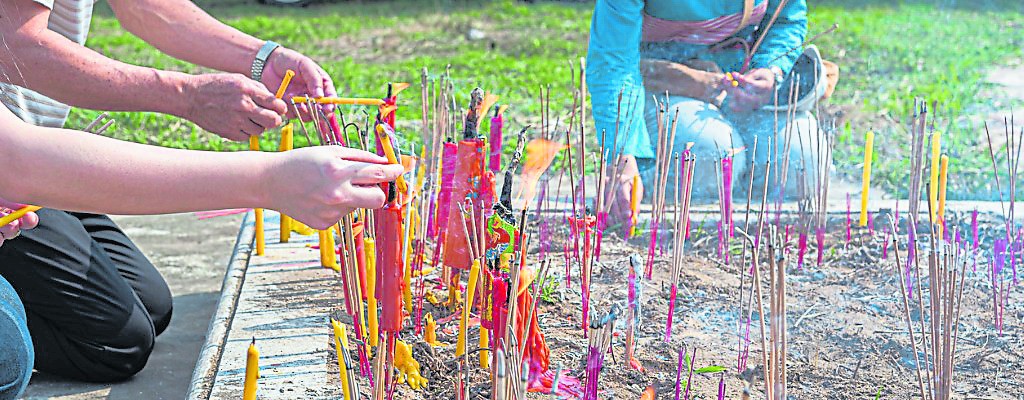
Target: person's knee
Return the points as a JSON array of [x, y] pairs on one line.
[[16, 353], [160, 308], [116, 357], [703, 129], [128, 352]]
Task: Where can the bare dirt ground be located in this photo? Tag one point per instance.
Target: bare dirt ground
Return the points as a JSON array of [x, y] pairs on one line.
[[847, 335]]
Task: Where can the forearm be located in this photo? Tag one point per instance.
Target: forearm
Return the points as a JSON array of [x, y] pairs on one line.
[[182, 30], [72, 170], [679, 80], [72, 74]]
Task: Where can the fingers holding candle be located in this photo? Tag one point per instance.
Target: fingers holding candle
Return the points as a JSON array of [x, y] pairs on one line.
[[317, 185]]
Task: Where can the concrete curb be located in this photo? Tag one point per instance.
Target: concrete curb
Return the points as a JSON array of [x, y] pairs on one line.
[[209, 358]]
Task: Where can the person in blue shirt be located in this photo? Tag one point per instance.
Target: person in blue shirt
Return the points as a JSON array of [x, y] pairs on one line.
[[694, 50]]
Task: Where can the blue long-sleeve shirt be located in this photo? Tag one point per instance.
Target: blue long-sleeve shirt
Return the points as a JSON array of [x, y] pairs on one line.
[[613, 56]]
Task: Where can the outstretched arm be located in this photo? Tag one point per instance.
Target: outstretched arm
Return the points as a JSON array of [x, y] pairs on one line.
[[34, 57], [182, 30], [37, 58], [74, 170]]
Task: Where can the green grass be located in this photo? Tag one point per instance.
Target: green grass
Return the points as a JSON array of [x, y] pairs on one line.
[[888, 54], [942, 54]]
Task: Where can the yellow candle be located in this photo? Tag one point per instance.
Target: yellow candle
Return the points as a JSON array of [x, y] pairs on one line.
[[329, 252], [254, 145], [408, 367], [252, 371], [933, 188], [18, 214], [287, 143], [430, 332], [869, 144], [484, 354], [474, 271], [943, 170], [392, 156], [356, 101], [301, 228], [453, 289], [288, 75], [370, 256], [340, 347], [322, 236]]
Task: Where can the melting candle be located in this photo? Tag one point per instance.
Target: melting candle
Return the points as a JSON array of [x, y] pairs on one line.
[[444, 198], [389, 267]]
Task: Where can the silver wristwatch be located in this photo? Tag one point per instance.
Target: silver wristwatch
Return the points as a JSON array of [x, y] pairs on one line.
[[261, 59]]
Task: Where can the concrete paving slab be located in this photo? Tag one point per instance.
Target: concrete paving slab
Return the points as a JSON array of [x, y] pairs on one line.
[[284, 302]]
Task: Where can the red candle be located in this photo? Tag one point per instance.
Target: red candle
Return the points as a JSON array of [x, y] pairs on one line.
[[466, 190], [389, 267]]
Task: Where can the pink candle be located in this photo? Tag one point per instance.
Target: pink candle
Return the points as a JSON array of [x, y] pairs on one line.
[[497, 123]]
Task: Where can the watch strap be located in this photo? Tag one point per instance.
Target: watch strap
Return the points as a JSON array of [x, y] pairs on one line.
[[261, 59]]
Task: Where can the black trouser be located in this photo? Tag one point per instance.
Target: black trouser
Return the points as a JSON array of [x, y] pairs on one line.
[[94, 302]]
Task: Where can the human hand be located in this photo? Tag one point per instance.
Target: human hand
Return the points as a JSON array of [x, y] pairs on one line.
[[309, 79], [319, 185], [232, 105], [13, 229], [752, 90], [621, 186]]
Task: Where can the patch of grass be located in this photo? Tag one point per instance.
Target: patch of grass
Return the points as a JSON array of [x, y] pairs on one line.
[[888, 54]]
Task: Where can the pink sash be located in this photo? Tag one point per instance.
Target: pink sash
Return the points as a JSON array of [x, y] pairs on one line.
[[707, 32]]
